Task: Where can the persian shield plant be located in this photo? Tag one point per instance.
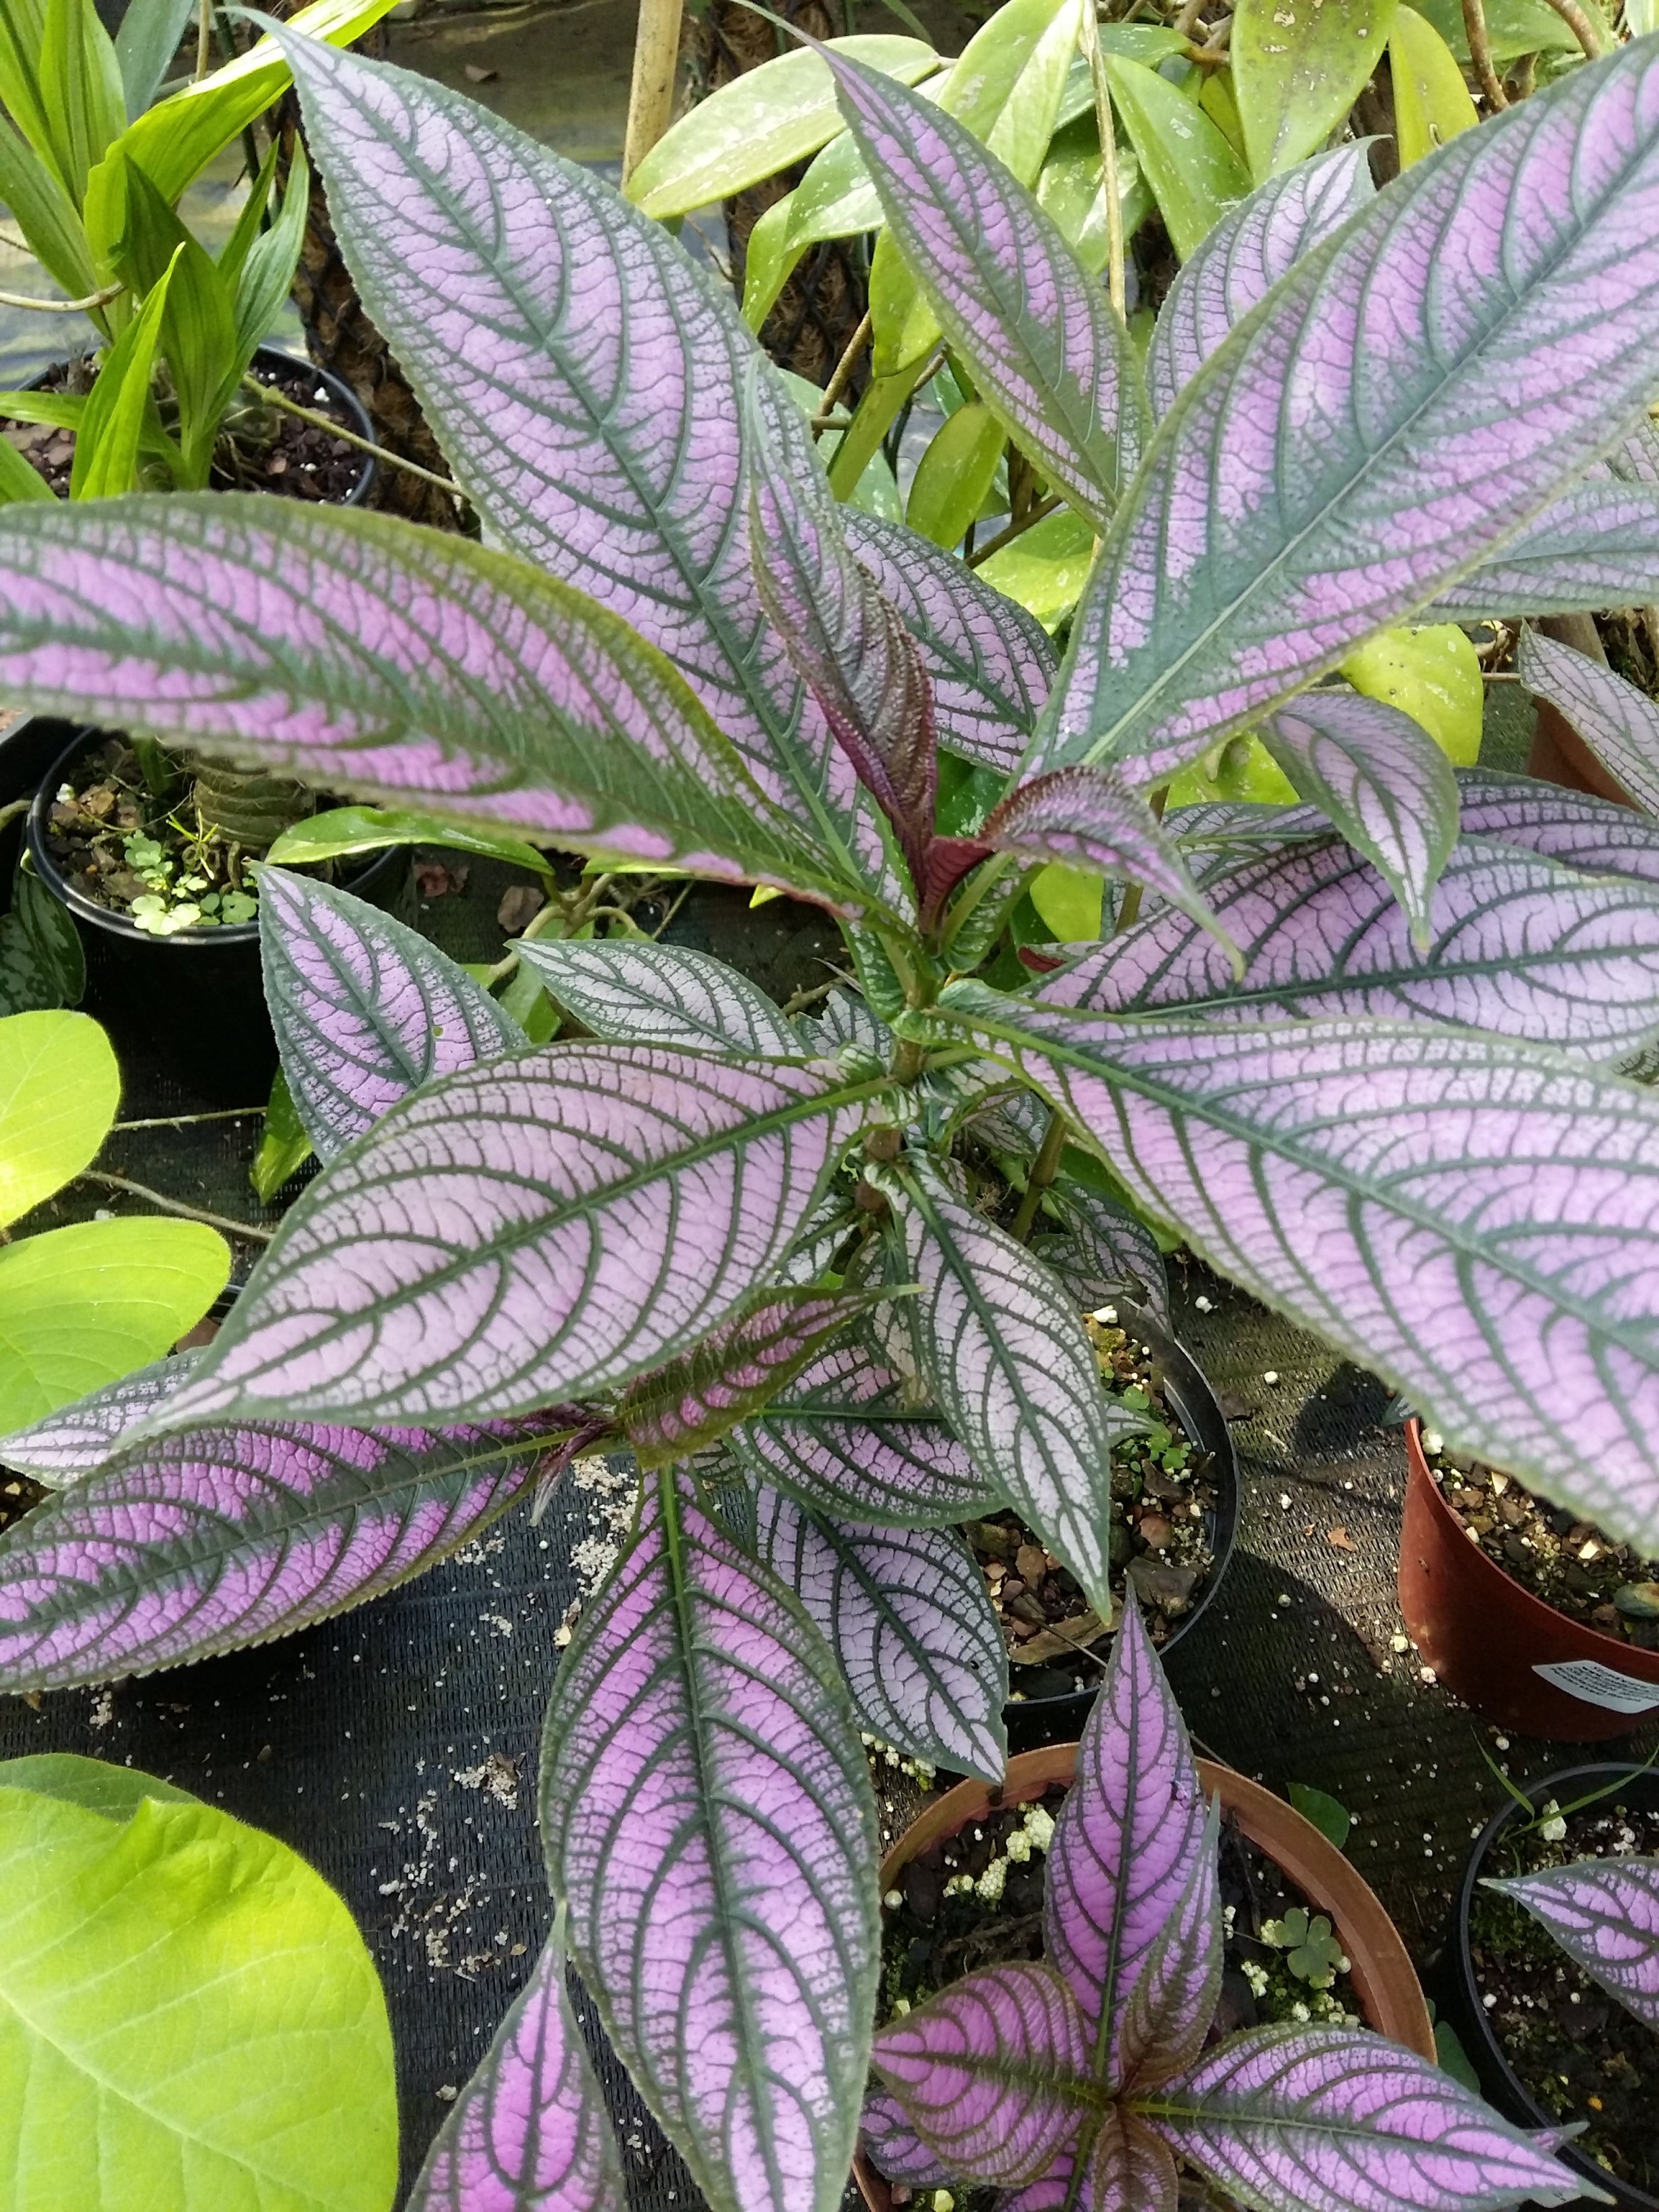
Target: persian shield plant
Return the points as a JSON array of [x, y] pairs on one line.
[[1082, 2078], [1361, 1054]]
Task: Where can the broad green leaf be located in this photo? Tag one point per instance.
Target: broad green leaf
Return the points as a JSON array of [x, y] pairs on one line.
[[1433, 675], [541, 712], [339, 831], [1045, 569], [82, 1306], [1328, 1815], [265, 276], [761, 123], [1194, 173], [197, 336], [1514, 27], [1217, 98], [44, 212], [1070, 188], [1431, 102], [115, 1791], [188, 2018], [111, 432], [145, 45], [81, 84], [19, 479], [1070, 900], [1242, 769], [955, 474], [174, 143], [23, 93], [708, 1819], [769, 261], [1298, 67], [1324, 1165], [284, 1148], [59, 1086]]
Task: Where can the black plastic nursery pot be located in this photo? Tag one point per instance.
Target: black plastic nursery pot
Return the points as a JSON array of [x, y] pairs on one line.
[[194, 1003], [1052, 1709], [1461, 1995]]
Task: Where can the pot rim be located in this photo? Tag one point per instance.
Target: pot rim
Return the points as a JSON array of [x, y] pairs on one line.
[[218, 937], [1195, 1382], [1323, 1875], [1549, 1785], [1632, 1657]]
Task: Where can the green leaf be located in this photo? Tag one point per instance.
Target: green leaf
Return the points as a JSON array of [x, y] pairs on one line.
[[1195, 175], [265, 277], [81, 82], [22, 92], [188, 2017], [1430, 674], [340, 830], [761, 122], [955, 475], [82, 1306], [107, 444], [19, 479], [145, 43], [1452, 2057], [768, 261], [1045, 569], [174, 143], [52, 936], [1514, 27], [284, 1148], [1332, 1820], [43, 212], [1070, 188], [1431, 102], [115, 1791], [1298, 67], [58, 1091], [197, 337], [1070, 902]]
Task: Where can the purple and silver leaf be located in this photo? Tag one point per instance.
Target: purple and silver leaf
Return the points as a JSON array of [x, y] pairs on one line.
[[1130, 2170], [1046, 351], [631, 991], [851, 1438], [1172, 2001], [577, 366], [1597, 547], [399, 665], [1010, 1366], [1604, 1913], [1572, 828], [1380, 779], [530, 2131], [906, 1612], [992, 2073], [708, 1820], [845, 1024], [1125, 1839], [1103, 1252], [673, 1411], [890, 2141], [63, 1446], [538, 1228], [990, 662], [229, 1535], [1520, 947], [1088, 817], [845, 640], [1620, 724], [1470, 1219], [365, 1010], [1394, 411], [1324, 2119], [1244, 255]]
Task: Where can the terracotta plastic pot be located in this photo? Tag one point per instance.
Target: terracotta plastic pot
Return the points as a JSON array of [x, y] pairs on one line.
[[1496, 1646], [1035, 1718], [1499, 2083], [1383, 1978]]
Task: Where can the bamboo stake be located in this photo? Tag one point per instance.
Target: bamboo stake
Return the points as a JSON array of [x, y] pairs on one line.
[[656, 66]]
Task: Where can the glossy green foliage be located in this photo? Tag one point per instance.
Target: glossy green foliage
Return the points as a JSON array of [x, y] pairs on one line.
[[1298, 65]]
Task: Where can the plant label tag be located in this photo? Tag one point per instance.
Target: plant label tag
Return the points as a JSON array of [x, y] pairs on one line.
[[1596, 1685]]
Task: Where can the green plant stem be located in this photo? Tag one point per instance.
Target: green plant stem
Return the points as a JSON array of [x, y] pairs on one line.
[[843, 371], [278, 399], [1009, 532], [221, 1221], [1474, 29], [188, 1121], [1089, 38], [203, 37], [31, 306], [1044, 1168]]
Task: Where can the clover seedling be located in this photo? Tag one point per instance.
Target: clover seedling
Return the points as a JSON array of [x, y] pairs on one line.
[[1081, 2079]]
